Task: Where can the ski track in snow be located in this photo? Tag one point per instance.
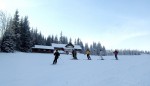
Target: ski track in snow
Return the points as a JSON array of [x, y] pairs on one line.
[[35, 69]]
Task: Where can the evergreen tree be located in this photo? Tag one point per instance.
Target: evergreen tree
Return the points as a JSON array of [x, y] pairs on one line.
[[82, 46], [78, 41], [25, 36], [104, 51], [56, 40], [66, 40], [99, 47], [75, 42], [52, 39], [70, 40], [48, 41], [61, 38], [34, 36], [8, 44], [91, 49], [94, 48], [16, 29]]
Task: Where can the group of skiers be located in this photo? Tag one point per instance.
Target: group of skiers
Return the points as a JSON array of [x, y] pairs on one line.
[[74, 55]]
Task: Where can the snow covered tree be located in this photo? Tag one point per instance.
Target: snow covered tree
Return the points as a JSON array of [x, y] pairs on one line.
[[4, 21], [34, 36], [65, 40], [16, 29], [48, 41], [25, 36], [104, 51], [94, 49], [99, 47], [56, 39], [70, 40], [91, 50], [61, 38], [82, 46], [75, 42], [78, 41], [8, 44], [52, 39]]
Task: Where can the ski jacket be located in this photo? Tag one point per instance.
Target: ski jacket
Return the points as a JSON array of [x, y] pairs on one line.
[[87, 52], [115, 52], [57, 54]]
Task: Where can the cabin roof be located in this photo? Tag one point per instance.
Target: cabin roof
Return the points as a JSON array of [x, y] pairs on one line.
[[43, 47]]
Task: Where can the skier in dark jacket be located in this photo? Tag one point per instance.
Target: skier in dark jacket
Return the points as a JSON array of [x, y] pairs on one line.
[[74, 54], [56, 54], [116, 53]]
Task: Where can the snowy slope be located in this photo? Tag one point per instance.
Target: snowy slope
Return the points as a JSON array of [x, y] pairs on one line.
[[34, 69]]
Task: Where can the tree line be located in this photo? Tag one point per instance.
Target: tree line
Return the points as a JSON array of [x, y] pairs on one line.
[[16, 35]]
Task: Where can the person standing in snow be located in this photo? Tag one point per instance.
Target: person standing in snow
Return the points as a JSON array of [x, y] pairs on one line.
[[88, 54], [116, 53], [74, 54], [101, 52], [56, 54]]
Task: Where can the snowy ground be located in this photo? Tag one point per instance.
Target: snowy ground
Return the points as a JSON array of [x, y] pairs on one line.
[[34, 69]]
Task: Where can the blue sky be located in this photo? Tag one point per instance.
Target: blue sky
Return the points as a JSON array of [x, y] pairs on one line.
[[116, 24]]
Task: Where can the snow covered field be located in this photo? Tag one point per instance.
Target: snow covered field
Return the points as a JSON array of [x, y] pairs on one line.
[[34, 69]]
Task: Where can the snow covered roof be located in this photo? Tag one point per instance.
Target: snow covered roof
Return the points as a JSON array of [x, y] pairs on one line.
[[63, 46], [43, 47], [58, 45], [77, 47]]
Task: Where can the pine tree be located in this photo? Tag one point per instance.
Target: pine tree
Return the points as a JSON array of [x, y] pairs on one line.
[[4, 22], [104, 51], [16, 29], [56, 40], [82, 46], [25, 36], [61, 38], [34, 36], [8, 44], [52, 39], [75, 42], [78, 41], [66, 40], [99, 47], [70, 40]]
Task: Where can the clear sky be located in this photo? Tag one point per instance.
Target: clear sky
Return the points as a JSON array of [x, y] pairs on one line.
[[116, 24]]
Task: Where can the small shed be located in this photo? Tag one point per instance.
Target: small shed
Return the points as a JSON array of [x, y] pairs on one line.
[[42, 49]]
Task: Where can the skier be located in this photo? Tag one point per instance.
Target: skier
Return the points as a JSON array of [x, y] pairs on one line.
[[74, 54], [101, 52], [116, 53], [56, 54], [88, 54]]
